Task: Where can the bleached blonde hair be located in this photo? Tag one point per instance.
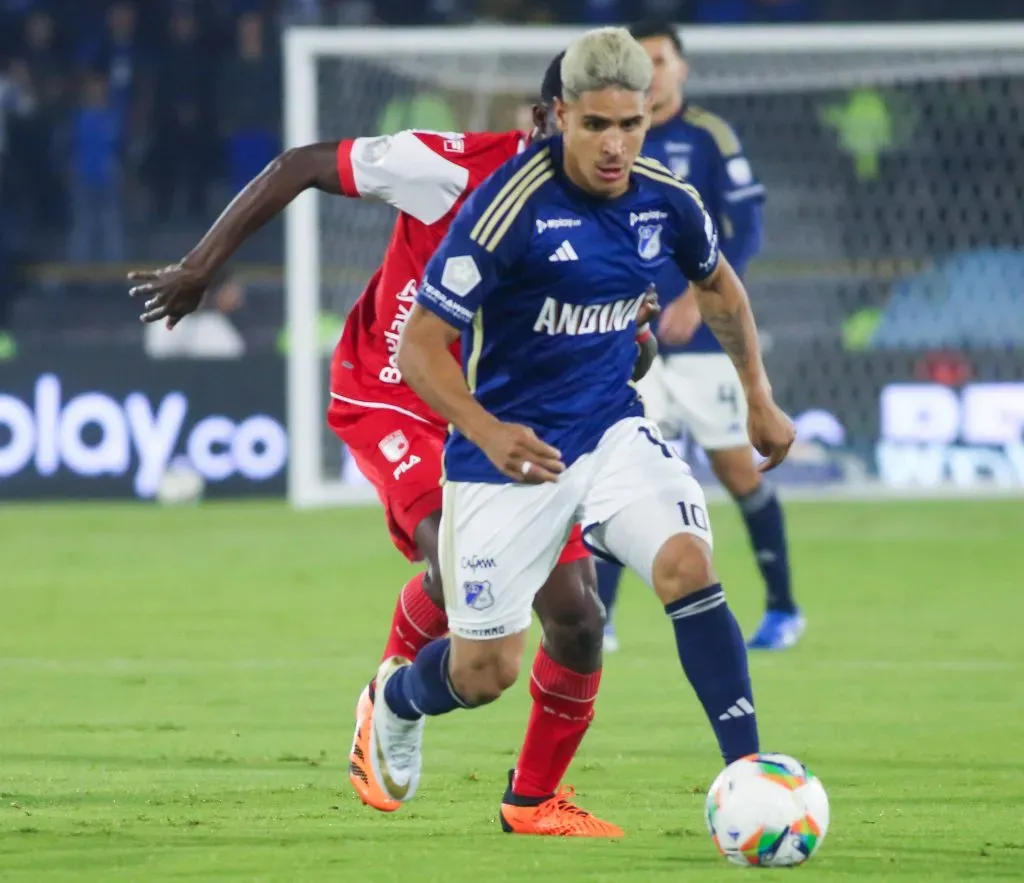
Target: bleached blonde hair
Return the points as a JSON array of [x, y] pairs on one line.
[[605, 58]]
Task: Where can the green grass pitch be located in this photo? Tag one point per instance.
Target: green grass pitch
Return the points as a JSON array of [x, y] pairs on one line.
[[176, 689]]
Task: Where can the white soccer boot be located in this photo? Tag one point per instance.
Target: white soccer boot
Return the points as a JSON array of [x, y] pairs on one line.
[[396, 744]]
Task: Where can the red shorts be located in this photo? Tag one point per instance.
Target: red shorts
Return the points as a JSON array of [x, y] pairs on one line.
[[400, 455]]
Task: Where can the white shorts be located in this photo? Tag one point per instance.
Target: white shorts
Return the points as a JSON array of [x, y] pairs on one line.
[[500, 542], [698, 392]]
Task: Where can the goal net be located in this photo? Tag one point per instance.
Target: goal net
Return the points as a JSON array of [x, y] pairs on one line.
[[889, 289]]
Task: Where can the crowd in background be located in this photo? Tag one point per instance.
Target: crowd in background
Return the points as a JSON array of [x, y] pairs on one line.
[[120, 119], [110, 107], [102, 101]]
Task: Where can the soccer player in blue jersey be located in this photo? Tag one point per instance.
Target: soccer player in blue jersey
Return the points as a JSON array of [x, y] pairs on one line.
[[694, 385], [541, 275]]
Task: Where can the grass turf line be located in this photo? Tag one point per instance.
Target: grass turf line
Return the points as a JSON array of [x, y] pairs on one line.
[[176, 689]]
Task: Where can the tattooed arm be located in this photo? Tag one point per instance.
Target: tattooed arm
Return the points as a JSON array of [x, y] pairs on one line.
[[725, 308]]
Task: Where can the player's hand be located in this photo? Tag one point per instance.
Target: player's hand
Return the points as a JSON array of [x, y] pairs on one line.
[[171, 293], [646, 353], [650, 307], [521, 455], [679, 320], [771, 431]]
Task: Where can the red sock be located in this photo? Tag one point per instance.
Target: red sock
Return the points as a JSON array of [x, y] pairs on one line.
[[417, 621], [563, 707]]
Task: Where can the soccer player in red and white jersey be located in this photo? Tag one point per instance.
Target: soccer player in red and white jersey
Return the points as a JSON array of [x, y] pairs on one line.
[[397, 440]]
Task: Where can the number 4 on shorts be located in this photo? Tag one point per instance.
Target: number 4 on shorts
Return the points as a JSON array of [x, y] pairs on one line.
[[727, 396]]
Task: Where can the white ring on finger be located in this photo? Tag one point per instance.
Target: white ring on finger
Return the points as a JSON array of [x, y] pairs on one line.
[[526, 467]]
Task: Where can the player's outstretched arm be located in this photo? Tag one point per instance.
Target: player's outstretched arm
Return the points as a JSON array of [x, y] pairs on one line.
[[725, 307], [427, 365], [174, 291]]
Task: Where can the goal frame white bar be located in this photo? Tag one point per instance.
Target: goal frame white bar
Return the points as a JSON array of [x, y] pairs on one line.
[[304, 46]]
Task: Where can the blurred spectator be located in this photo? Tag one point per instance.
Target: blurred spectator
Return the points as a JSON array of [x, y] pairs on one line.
[[12, 13], [39, 44], [117, 54], [16, 100], [97, 224], [16, 103], [181, 155], [45, 66], [249, 103], [38, 189]]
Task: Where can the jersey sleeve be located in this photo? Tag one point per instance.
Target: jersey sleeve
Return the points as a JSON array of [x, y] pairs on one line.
[[738, 195], [420, 173], [734, 181], [697, 250], [487, 237], [741, 199]]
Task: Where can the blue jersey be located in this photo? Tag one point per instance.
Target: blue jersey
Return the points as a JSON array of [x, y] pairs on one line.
[[701, 148], [545, 281]]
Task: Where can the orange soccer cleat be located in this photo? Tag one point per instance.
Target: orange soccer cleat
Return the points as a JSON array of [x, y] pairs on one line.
[[557, 816], [360, 769]]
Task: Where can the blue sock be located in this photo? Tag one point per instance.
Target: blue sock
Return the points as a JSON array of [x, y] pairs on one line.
[[767, 528], [714, 658], [608, 576], [423, 688]]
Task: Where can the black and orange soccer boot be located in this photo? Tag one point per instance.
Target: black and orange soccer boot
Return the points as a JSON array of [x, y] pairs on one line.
[[554, 816], [360, 769]]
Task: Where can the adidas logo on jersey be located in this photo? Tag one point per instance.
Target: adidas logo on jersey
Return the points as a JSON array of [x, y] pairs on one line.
[[556, 317], [742, 708], [564, 252]]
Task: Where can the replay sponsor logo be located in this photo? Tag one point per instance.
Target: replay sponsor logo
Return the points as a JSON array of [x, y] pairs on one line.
[[94, 434]]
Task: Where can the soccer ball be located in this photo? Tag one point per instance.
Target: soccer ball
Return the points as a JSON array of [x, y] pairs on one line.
[[767, 810], [180, 484]]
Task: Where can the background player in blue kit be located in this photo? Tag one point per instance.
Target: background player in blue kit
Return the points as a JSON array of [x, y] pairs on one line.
[[694, 386], [541, 275]]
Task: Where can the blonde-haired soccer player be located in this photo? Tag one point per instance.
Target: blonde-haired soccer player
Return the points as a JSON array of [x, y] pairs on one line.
[[541, 276]]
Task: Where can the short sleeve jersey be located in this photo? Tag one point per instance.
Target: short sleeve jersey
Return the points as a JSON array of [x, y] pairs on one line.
[[427, 176], [544, 280]]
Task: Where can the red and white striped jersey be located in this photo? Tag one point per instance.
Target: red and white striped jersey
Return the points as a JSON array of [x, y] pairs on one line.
[[426, 176]]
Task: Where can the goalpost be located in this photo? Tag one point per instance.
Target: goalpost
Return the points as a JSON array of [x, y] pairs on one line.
[[890, 155]]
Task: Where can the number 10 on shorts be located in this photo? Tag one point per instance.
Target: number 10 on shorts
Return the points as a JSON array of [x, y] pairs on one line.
[[694, 515]]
